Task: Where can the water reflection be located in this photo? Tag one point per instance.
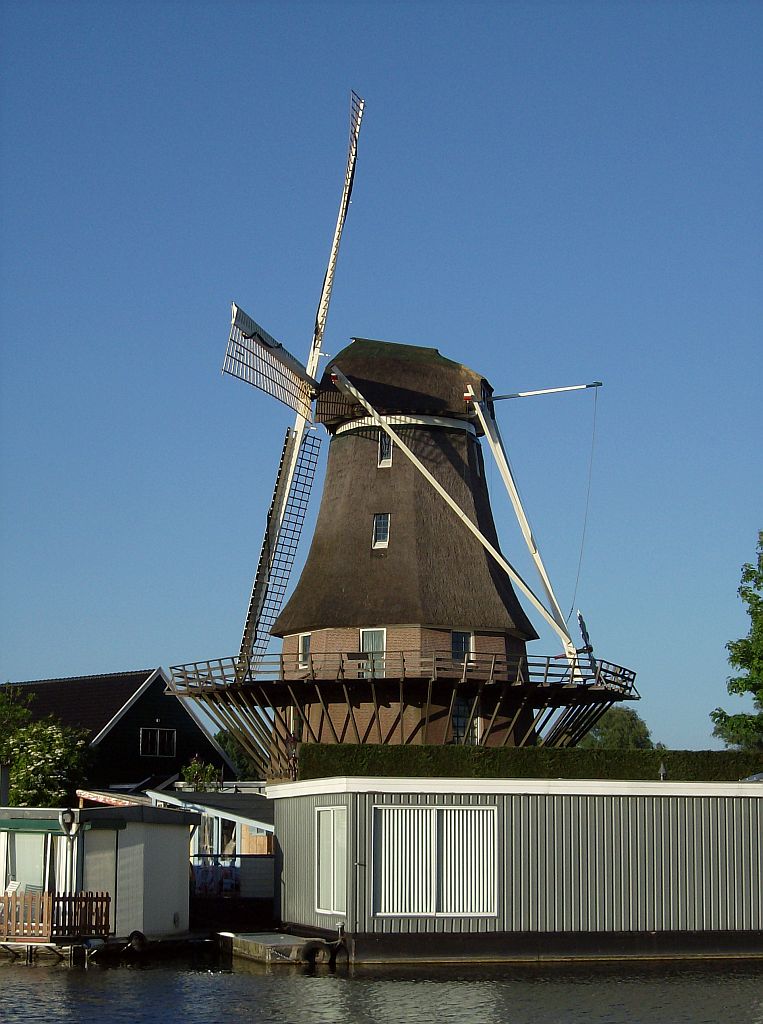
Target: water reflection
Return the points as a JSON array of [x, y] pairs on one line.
[[257, 994]]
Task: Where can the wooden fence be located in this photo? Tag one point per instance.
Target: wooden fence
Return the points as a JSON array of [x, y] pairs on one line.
[[48, 917]]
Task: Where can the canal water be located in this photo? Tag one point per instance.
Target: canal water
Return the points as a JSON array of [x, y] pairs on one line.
[[255, 994]]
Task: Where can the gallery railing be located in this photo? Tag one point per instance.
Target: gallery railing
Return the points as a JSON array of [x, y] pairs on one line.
[[349, 665]]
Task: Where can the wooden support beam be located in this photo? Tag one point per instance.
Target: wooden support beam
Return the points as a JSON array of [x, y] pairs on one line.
[[523, 706], [540, 725], [402, 713], [449, 718], [302, 715], [498, 705], [532, 728], [377, 715], [236, 699], [277, 716], [351, 713], [251, 743], [319, 695], [471, 714], [428, 710]]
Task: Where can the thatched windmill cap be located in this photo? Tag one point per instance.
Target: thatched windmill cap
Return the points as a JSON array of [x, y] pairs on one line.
[[396, 380]]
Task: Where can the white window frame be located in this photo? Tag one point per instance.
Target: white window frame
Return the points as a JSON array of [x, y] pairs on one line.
[[338, 885], [303, 657], [439, 854], [384, 459], [375, 665], [379, 517]]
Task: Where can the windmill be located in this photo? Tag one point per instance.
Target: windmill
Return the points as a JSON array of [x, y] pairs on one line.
[[404, 626]]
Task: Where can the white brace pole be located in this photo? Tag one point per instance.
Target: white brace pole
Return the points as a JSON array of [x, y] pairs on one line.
[[493, 437], [546, 391], [345, 386]]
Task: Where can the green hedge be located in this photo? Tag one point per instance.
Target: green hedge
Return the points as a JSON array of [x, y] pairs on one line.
[[318, 761]]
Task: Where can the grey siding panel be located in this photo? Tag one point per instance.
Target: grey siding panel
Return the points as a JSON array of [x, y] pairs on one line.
[[566, 863], [592, 863], [295, 832]]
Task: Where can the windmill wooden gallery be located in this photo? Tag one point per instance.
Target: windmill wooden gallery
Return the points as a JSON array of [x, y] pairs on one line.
[[406, 628]]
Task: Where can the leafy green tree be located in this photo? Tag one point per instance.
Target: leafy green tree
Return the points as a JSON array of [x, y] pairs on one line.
[[618, 729], [47, 760], [744, 731], [201, 775], [15, 713]]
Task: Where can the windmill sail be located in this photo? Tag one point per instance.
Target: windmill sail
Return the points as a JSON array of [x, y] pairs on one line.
[[284, 526], [356, 115], [256, 357], [278, 373]]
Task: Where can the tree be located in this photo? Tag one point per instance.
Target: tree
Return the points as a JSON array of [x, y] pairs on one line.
[[243, 764], [744, 731], [618, 729], [201, 775], [47, 760], [14, 715]]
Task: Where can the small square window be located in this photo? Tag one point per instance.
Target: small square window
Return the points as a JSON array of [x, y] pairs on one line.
[[385, 450], [157, 742], [381, 530]]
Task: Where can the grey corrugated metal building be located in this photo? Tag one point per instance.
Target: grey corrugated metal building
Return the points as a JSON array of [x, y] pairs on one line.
[[440, 868]]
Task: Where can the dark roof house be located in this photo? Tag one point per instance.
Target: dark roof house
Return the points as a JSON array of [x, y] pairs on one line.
[[141, 735]]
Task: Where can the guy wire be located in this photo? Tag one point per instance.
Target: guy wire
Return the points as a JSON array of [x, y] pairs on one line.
[[587, 503]]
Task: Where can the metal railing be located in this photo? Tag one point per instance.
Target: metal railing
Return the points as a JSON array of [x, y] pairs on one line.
[[48, 917]]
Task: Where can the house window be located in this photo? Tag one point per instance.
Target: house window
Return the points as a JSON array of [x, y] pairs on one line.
[[304, 650], [157, 742], [435, 861], [331, 860], [385, 450], [381, 530], [27, 856]]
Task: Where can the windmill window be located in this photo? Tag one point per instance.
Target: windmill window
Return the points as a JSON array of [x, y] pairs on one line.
[[385, 450], [373, 643], [157, 742], [304, 650], [465, 725], [461, 645], [381, 530]]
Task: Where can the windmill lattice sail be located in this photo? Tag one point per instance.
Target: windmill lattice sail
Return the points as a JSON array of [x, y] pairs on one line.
[[279, 546], [256, 357]]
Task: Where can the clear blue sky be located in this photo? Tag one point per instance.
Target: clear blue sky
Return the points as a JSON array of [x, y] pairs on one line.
[[552, 193]]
